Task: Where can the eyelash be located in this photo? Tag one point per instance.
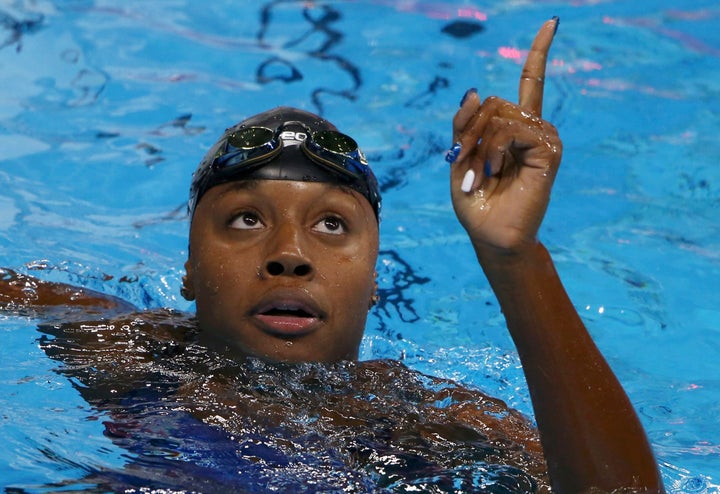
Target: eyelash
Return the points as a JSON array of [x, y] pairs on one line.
[[339, 224], [243, 215]]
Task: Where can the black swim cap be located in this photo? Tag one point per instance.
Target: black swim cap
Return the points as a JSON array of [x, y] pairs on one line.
[[285, 144]]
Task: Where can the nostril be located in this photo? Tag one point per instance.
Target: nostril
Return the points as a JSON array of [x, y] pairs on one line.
[[279, 268], [275, 268], [302, 270]]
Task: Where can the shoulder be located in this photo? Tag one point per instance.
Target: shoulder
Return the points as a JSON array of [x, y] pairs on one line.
[[138, 333]]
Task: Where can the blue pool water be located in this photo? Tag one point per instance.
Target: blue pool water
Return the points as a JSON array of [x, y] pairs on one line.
[[106, 107]]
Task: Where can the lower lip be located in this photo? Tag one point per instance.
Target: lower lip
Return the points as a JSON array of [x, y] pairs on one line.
[[287, 325]]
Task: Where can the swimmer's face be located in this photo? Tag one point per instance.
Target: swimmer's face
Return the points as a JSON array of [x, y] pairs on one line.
[[283, 270]]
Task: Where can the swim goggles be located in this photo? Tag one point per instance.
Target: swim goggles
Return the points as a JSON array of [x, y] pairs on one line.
[[249, 148]]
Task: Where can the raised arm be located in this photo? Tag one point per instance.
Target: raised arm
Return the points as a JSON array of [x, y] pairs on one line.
[[501, 178], [26, 295]]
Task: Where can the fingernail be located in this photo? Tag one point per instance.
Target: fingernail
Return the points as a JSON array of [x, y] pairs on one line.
[[488, 170], [557, 23], [453, 153], [468, 181], [467, 93]]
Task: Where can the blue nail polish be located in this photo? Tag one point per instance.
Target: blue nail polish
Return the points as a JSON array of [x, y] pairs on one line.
[[488, 170], [557, 24], [453, 153], [467, 93]]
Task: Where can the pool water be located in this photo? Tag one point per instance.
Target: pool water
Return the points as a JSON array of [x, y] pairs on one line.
[[107, 107]]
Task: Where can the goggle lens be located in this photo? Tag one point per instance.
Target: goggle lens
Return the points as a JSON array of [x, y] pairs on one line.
[[250, 147], [250, 137], [246, 148], [255, 145], [335, 142]]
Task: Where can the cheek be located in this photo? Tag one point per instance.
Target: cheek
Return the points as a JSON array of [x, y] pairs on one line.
[[355, 276], [207, 282], [219, 272]]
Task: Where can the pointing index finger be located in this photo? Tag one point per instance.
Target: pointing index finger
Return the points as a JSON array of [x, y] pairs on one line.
[[532, 80]]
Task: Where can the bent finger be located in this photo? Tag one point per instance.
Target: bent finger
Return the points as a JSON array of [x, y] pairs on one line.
[[519, 145], [479, 126], [469, 106]]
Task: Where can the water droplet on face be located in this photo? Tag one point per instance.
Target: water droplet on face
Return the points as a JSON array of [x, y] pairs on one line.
[[288, 344]]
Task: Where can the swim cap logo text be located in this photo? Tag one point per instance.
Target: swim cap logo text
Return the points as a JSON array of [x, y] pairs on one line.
[[292, 138]]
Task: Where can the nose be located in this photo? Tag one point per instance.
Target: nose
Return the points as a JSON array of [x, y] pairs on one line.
[[288, 266], [286, 255]]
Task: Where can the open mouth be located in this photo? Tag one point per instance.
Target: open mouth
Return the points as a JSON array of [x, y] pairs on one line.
[[287, 313], [288, 317]]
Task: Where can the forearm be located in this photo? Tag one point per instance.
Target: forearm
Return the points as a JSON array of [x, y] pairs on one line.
[[23, 293], [590, 433]]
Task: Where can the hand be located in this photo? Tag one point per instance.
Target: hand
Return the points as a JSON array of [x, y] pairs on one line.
[[508, 160]]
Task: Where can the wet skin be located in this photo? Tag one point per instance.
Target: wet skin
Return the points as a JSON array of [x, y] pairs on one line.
[[270, 264], [283, 270]]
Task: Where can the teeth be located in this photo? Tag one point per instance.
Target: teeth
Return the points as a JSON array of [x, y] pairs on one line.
[[288, 309]]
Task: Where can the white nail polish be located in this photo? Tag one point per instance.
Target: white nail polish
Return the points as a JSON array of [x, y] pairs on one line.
[[468, 181]]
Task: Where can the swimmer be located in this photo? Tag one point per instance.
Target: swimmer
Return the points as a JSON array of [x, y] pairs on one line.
[[283, 242]]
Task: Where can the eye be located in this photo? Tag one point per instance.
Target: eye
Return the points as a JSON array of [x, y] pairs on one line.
[[331, 225], [245, 221]]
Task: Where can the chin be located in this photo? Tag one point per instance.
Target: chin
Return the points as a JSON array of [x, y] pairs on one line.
[[297, 352], [281, 349]]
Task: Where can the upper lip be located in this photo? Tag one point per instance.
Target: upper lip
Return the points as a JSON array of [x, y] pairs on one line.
[[290, 302]]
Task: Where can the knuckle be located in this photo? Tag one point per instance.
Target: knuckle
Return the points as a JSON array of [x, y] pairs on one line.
[[492, 102]]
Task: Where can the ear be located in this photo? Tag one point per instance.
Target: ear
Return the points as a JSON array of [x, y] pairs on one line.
[[374, 298], [186, 290]]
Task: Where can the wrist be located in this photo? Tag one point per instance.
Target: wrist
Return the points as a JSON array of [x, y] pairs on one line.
[[520, 277], [520, 257]]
